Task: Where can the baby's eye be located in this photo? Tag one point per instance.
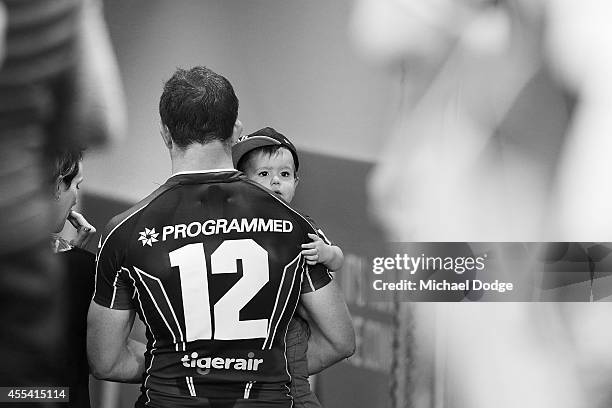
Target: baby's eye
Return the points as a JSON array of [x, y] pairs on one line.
[[262, 173], [286, 174]]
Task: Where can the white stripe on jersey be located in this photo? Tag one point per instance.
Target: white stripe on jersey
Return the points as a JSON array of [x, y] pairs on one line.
[[147, 371], [312, 288], [138, 271], [190, 386], [322, 235], [271, 338], [247, 389], [161, 286], [285, 345], [112, 303], [104, 243], [297, 258], [140, 303]]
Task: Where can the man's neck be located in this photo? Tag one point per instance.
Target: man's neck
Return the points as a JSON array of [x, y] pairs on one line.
[[197, 157]]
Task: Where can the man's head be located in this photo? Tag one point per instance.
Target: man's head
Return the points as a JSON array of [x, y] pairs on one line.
[[198, 106], [65, 184], [270, 159]]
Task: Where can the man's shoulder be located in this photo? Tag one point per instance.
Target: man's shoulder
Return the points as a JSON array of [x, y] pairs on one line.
[[283, 206], [318, 230], [311, 223], [122, 219]]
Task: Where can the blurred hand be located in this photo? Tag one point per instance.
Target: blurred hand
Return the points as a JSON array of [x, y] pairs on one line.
[[84, 229]]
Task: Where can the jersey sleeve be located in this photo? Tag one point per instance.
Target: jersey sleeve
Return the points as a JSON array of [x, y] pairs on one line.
[[114, 287], [315, 277]]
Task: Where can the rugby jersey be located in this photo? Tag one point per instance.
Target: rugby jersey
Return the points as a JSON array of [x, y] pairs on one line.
[[212, 264]]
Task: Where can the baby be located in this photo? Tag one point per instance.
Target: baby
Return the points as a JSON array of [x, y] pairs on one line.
[[270, 159]]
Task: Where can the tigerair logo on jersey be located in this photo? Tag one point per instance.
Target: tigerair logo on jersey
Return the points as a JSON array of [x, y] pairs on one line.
[[205, 364]]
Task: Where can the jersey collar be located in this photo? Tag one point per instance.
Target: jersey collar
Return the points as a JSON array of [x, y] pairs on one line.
[[181, 174]]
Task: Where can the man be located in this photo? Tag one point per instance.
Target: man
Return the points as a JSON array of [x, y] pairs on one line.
[[212, 264]]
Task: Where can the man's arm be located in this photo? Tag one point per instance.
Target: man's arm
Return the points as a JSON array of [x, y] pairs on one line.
[[332, 335], [112, 354]]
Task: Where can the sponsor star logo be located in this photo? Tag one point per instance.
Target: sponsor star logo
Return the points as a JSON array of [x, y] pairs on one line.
[[148, 237]]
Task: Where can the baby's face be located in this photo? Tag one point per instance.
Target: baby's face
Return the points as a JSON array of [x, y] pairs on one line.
[[275, 172]]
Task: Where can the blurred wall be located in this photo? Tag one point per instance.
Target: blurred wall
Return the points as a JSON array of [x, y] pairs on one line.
[[290, 62]]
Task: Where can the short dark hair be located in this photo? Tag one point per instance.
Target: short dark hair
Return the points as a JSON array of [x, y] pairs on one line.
[[65, 164], [198, 106]]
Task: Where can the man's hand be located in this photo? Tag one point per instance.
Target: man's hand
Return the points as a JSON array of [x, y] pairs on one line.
[[84, 229]]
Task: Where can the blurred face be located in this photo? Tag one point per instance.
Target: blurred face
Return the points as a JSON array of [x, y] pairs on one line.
[[275, 172], [66, 198]]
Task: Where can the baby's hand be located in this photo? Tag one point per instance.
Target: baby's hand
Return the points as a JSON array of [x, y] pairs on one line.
[[84, 229], [315, 251]]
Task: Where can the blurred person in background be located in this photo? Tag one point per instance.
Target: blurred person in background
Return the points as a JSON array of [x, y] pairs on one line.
[[80, 268], [66, 183], [475, 173], [59, 86], [501, 136], [503, 116]]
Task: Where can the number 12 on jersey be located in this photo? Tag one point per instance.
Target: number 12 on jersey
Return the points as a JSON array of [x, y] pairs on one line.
[[191, 261]]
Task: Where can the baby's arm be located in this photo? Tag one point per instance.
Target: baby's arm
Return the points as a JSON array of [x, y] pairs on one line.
[[318, 251]]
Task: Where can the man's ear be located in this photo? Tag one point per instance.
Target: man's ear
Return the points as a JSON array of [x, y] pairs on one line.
[[57, 187], [165, 134], [237, 132]]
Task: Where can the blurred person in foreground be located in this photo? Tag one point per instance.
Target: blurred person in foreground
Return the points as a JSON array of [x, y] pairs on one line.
[[503, 115], [59, 86], [212, 264], [505, 125], [268, 158]]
